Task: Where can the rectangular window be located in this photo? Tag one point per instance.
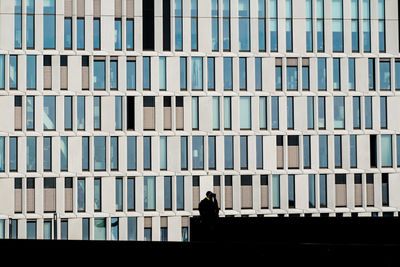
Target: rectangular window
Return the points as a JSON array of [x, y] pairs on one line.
[[290, 112], [114, 73], [397, 74], [184, 152], [309, 26], [180, 192], [85, 153], [366, 25], [385, 75], [183, 73], [371, 74], [49, 24], [132, 228], [356, 112], [85, 229], [96, 33], [322, 73], [166, 25], [99, 230], [147, 152], [354, 26], [97, 112], [31, 153], [291, 191], [383, 112], [227, 113], [64, 153], [99, 153], [339, 112], [195, 112], [243, 153], [245, 112], [80, 112], [273, 14], [131, 152], [352, 74], [278, 74], [310, 112], [47, 230], [397, 149], [18, 24], [49, 114], [97, 194], [81, 198], [149, 187], [311, 190], [275, 112], [353, 151], [292, 76], [215, 112], [146, 73], [340, 190], [211, 73], [259, 152], [289, 26], [47, 155], [373, 150], [148, 25], [118, 34], [386, 150], [13, 69], [99, 75], [194, 24], [118, 194], [118, 113], [162, 68], [80, 33], [198, 152], [197, 73], [13, 156], [31, 230], [263, 112], [131, 193], [2, 153], [242, 73], [226, 24], [228, 143], [338, 151], [323, 151], [68, 113], [212, 153], [368, 112], [114, 152], [276, 198], [30, 113], [305, 75], [244, 25], [381, 25], [320, 26], [258, 73], [168, 193], [30, 24], [163, 152], [178, 25], [321, 112], [385, 189], [323, 199], [228, 83], [31, 72], [279, 152], [262, 13], [337, 25], [214, 25], [307, 151], [336, 73], [131, 74]]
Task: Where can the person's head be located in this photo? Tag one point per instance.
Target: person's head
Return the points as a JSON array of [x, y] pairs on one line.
[[209, 194]]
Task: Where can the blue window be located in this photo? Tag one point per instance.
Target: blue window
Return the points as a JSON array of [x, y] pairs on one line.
[[184, 152], [275, 112], [322, 73], [178, 25], [2, 153], [113, 74], [383, 111], [227, 113], [214, 25], [320, 26], [18, 24], [244, 25], [290, 112], [356, 112], [211, 73], [338, 151], [47, 153], [228, 152], [132, 228], [131, 75], [31, 230], [211, 153], [259, 152], [168, 193], [30, 24], [197, 73], [353, 151], [321, 112], [13, 82], [339, 112], [13, 153], [81, 194], [261, 25], [258, 73], [131, 152], [114, 153], [30, 72], [323, 151], [149, 187], [99, 229], [309, 26], [129, 34], [228, 85], [97, 112], [289, 26], [183, 72], [291, 78], [276, 196], [64, 153], [323, 199], [147, 152], [397, 74], [243, 153], [80, 33], [273, 13], [30, 112], [242, 73], [68, 112], [131, 194], [80, 112], [96, 33], [368, 112], [366, 25], [386, 150], [336, 73], [354, 26], [49, 112], [163, 152], [352, 73], [146, 73], [31, 153], [99, 153], [310, 112], [162, 67], [311, 190], [117, 34], [385, 77], [226, 24], [49, 24], [307, 151], [337, 25], [118, 112], [198, 152], [193, 24], [195, 112], [381, 25], [180, 192], [85, 153], [371, 74], [68, 33], [245, 112], [305, 77]]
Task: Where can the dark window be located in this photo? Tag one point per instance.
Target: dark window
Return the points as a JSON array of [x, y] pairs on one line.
[[148, 25], [372, 150], [130, 103], [167, 25]]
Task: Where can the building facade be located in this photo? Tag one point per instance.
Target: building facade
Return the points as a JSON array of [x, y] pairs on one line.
[[116, 116]]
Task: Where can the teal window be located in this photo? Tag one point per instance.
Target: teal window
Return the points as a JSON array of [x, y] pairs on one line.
[[289, 26], [245, 112], [354, 26], [178, 25], [80, 33], [97, 112], [114, 151], [162, 68], [339, 112], [227, 113], [85, 153], [147, 152], [366, 25], [97, 194], [30, 113], [198, 152], [18, 24], [386, 150], [194, 24], [309, 26], [99, 153], [244, 25], [214, 25], [337, 25], [276, 196], [197, 73], [149, 187], [49, 24], [49, 112], [31, 153], [273, 14], [228, 151], [228, 84], [99, 75], [131, 152], [385, 75], [320, 25], [30, 72], [163, 152], [184, 152], [117, 34], [323, 151], [96, 33], [226, 24], [30, 24], [131, 75], [81, 112], [262, 25], [64, 153]]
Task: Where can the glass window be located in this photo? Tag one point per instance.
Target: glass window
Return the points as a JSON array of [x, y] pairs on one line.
[[289, 26], [96, 33], [226, 24], [273, 25], [397, 74], [197, 73], [131, 75], [323, 199], [383, 111], [49, 114], [131, 193], [263, 112], [183, 73], [311, 190], [97, 194], [398, 149], [354, 26], [64, 153], [215, 112], [147, 152], [31, 230], [309, 25], [113, 74], [367, 25], [385, 192], [30, 24], [68, 112], [386, 150], [118, 113], [81, 194], [310, 112], [211, 73], [381, 25], [278, 78], [305, 77], [47, 232], [85, 229], [258, 73], [146, 73], [13, 79], [178, 25], [356, 112], [31, 153], [180, 192], [337, 25], [353, 151], [214, 25], [242, 73], [114, 153], [47, 147], [276, 198], [99, 228], [117, 34], [352, 73], [385, 77], [30, 72], [85, 153], [18, 24], [80, 33], [132, 228], [49, 24], [149, 195], [198, 152], [371, 74], [212, 153], [228, 85], [339, 112], [323, 151], [30, 112], [321, 73], [243, 152], [244, 25], [184, 152], [275, 112], [99, 153], [114, 228], [321, 112], [118, 194], [81, 112], [168, 193], [129, 34], [291, 78], [227, 113], [368, 112], [97, 113], [2, 153], [290, 112], [99, 75], [245, 112], [320, 25], [259, 152], [163, 152], [338, 151], [307, 151], [13, 153], [228, 152], [291, 191], [162, 67], [336, 73], [193, 23]]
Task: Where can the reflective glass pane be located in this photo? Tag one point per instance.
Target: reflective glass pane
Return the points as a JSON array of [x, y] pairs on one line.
[[245, 112], [99, 153], [198, 152], [99, 75], [131, 75], [99, 228], [118, 34], [149, 192], [49, 112], [197, 73], [31, 72], [228, 73], [80, 33], [228, 152]]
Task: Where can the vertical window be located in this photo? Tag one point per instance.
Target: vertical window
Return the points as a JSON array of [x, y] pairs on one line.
[[310, 112], [80, 33], [130, 25], [227, 113], [356, 112], [68, 113], [290, 112], [178, 25], [386, 150], [320, 26], [307, 151], [262, 13], [64, 153], [13, 156], [289, 26], [149, 187], [195, 112], [228, 143], [18, 24], [322, 73], [381, 25], [245, 112], [99, 228], [118, 113], [338, 151], [366, 25], [49, 24], [85, 153], [242, 73], [216, 112], [114, 151], [96, 33], [31, 230], [184, 152], [47, 147], [212, 153], [258, 73], [371, 74], [81, 194], [162, 68], [47, 231], [353, 151], [30, 24], [273, 14], [97, 112], [131, 152], [131, 193], [397, 74], [244, 25], [211, 73], [275, 112], [146, 73], [117, 34], [309, 26], [168, 193], [373, 150], [291, 75], [99, 75], [31, 154], [85, 229], [291, 191], [214, 25], [166, 25], [383, 112], [131, 74], [337, 25], [2, 153], [385, 76], [323, 151], [263, 112], [385, 189], [13, 69], [163, 152], [31, 72], [321, 112], [323, 199], [118, 194], [311, 190], [114, 73], [198, 152], [99, 153], [49, 114], [197, 73], [97, 194], [148, 25], [194, 24], [368, 112], [30, 113], [276, 198], [132, 228], [180, 190], [354, 26], [228, 84], [183, 73], [336, 73], [339, 112], [80, 112], [243, 153], [147, 152], [259, 152], [226, 24], [352, 73], [306, 74], [397, 149]]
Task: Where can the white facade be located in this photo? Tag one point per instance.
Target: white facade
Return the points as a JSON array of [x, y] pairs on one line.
[[256, 199]]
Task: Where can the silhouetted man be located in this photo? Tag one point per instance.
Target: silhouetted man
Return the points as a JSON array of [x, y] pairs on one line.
[[209, 210]]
